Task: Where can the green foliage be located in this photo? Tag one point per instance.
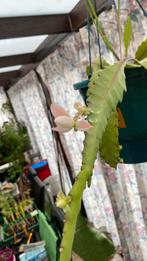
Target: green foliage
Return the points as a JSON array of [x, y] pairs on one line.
[[141, 52], [13, 142], [94, 18], [88, 71], [143, 63], [110, 141], [127, 35], [6, 107], [105, 91], [109, 146]]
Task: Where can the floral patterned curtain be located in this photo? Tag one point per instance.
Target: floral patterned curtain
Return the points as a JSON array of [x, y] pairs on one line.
[[5, 114]]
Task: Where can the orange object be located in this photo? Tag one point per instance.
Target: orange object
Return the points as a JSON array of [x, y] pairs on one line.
[[16, 240], [29, 238], [121, 120]]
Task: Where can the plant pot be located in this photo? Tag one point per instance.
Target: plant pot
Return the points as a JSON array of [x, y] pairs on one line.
[[82, 87], [133, 138], [6, 255]]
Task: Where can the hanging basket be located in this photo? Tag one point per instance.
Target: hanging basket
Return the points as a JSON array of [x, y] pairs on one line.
[[133, 137], [82, 87]]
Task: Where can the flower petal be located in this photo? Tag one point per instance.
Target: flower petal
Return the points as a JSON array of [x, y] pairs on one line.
[[58, 110], [64, 123], [83, 125], [58, 129]]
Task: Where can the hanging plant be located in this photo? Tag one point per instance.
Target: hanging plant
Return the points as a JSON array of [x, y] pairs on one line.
[[105, 91]]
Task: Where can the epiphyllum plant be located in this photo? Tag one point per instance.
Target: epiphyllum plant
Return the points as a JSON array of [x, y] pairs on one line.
[[64, 122], [105, 91]]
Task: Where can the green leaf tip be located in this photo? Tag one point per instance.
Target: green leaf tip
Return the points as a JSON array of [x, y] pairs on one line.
[[109, 146], [127, 35], [141, 52]]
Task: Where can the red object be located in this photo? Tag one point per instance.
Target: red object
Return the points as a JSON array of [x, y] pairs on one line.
[[42, 169], [6, 255]]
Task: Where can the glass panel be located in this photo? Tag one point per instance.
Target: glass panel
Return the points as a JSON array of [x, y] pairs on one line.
[[10, 68], [20, 45], [10, 8]]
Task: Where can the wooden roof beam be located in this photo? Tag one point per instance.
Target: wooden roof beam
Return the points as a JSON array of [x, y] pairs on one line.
[[12, 60], [12, 27], [79, 14], [8, 76], [4, 83]]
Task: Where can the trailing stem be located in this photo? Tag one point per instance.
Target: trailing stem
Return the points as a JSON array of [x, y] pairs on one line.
[[72, 214]]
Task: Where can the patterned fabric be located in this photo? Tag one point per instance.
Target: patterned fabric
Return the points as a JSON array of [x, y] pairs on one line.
[[26, 100], [116, 200], [5, 115]]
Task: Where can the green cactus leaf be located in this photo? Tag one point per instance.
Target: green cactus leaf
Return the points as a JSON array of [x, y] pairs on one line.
[[109, 147], [141, 52], [105, 91], [127, 35]]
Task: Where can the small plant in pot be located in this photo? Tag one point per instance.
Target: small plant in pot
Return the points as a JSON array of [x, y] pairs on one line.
[[14, 141], [105, 92]]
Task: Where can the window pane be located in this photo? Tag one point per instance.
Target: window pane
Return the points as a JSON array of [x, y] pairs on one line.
[[20, 45], [10, 68], [10, 8]]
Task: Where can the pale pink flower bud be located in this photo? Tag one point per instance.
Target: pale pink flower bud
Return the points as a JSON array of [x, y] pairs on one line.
[[83, 125], [64, 123], [58, 111]]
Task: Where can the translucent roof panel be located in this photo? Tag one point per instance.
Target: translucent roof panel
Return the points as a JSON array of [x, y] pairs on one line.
[[20, 45], [9, 8], [10, 68]]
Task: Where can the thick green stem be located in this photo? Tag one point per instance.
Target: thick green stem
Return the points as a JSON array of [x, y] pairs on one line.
[[71, 216]]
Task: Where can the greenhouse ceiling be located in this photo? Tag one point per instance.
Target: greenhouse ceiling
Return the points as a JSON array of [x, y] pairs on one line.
[[31, 29]]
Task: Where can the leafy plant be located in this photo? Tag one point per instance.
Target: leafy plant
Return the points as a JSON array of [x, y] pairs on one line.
[[109, 147], [7, 107], [14, 142], [105, 91]]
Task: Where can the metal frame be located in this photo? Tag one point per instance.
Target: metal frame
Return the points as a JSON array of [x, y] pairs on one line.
[[58, 27]]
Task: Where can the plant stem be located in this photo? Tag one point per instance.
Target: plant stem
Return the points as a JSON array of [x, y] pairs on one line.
[[71, 216], [118, 18], [93, 15]]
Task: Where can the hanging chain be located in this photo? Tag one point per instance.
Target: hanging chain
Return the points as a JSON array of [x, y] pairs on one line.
[[141, 7], [98, 41], [89, 47]]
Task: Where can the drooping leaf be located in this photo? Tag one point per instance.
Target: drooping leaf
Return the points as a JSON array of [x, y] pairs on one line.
[[96, 66], [143, 63], [141, 52], [109, 146], [127, 35], [105, 91], [92, 13], [88, 71], [118, 2], [133, 65]]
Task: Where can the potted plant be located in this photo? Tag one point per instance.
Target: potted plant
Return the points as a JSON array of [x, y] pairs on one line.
[[14, 141], [105, 91]]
